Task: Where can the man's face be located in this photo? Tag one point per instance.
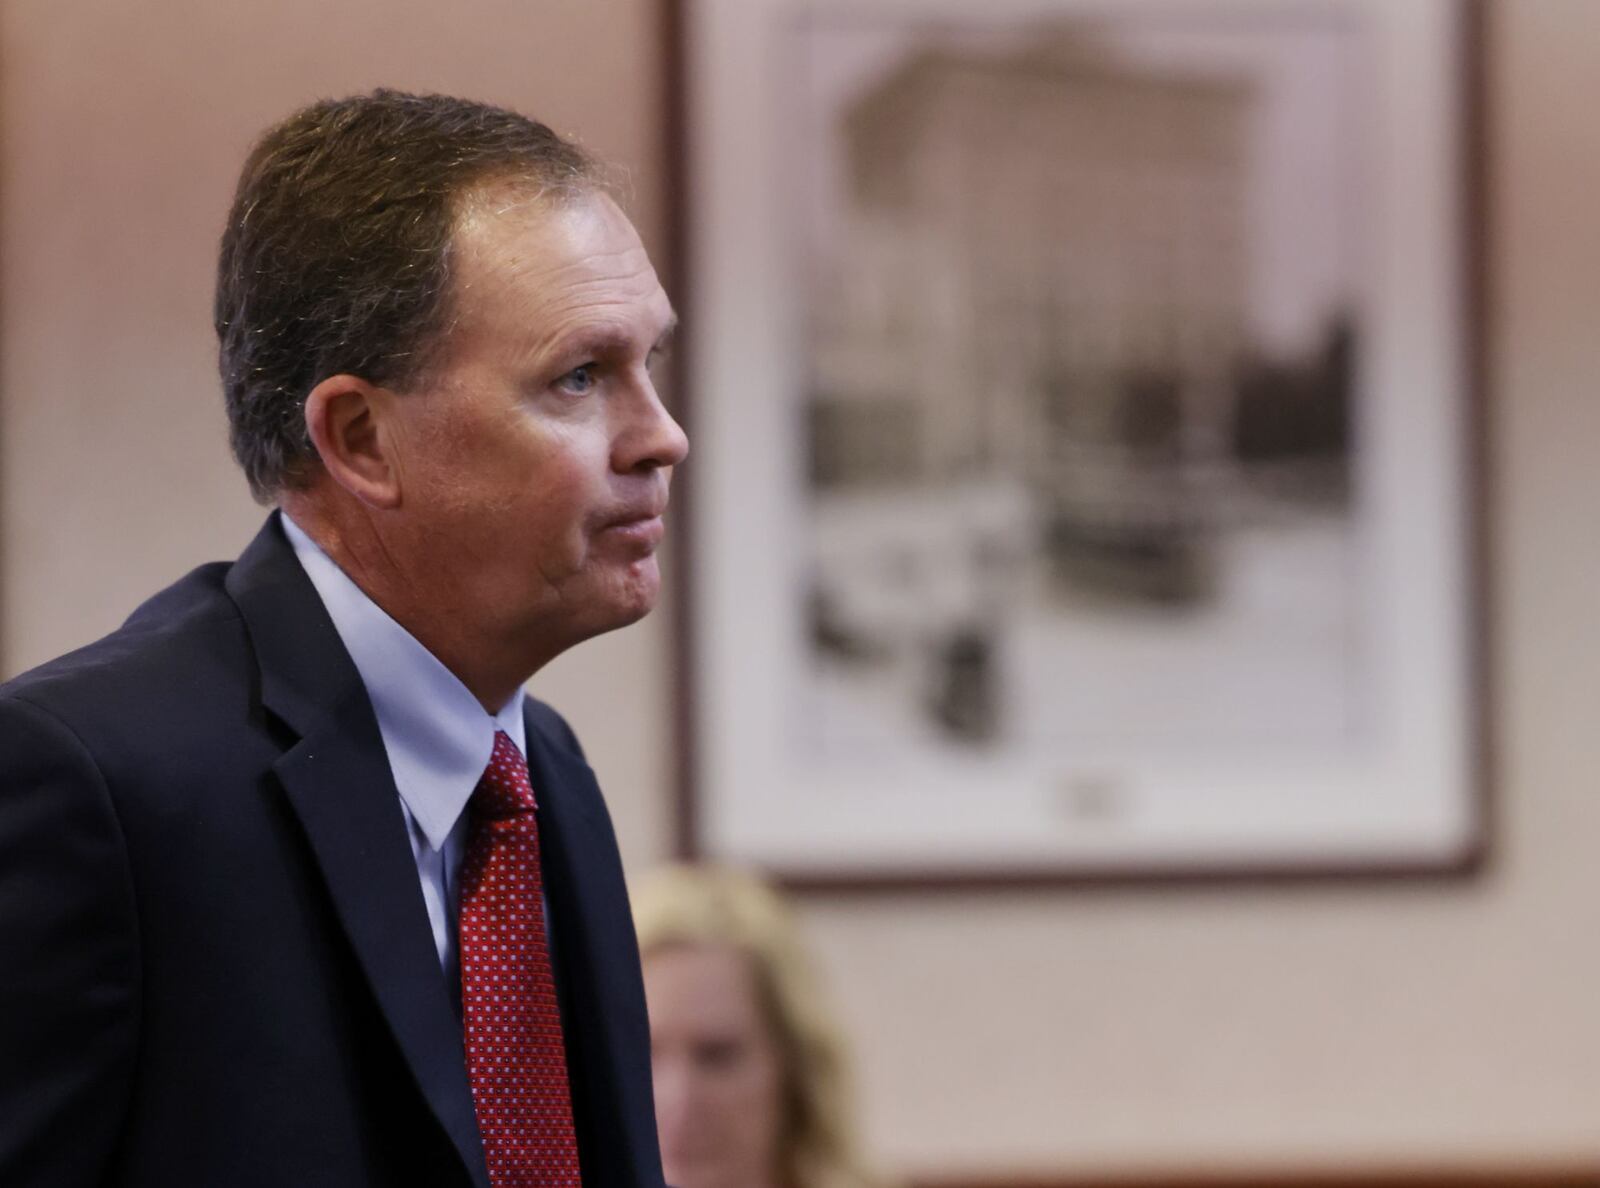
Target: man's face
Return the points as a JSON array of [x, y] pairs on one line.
[[535, 459]]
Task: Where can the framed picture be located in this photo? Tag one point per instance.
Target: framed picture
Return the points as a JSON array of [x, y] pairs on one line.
[[1085, 474]]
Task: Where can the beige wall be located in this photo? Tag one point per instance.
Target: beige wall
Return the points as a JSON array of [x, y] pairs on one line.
[[1026, 1031]]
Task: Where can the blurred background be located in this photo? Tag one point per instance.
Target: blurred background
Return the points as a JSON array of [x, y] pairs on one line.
[[1137, 1035]]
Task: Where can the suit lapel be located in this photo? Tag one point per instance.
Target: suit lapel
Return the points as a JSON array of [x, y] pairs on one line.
[[338, 782], [597, 965]]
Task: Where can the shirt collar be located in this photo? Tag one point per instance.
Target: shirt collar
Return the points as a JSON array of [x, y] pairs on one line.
[[437, 736]]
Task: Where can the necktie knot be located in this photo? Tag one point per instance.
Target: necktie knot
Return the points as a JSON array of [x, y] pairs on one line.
[[504, 789]]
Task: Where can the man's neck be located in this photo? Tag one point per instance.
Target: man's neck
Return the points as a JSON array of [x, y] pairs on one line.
[[491, 673]]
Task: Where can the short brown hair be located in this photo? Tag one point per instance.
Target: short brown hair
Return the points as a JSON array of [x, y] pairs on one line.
[[336, 255]]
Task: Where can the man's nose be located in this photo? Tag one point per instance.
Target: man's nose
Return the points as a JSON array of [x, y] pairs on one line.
[[653, 438]]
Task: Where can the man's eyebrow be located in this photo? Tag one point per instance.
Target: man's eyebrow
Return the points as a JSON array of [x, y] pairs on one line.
[[600, 342]]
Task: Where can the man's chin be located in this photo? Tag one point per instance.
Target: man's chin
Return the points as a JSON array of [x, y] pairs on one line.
[[634, 596]]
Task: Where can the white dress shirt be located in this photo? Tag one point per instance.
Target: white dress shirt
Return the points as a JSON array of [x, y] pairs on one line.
[[437, 736]]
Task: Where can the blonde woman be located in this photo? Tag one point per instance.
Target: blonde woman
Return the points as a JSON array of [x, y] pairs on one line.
[[750, 1077]]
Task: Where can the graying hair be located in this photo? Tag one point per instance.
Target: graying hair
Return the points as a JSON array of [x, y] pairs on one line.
[[336, 257]]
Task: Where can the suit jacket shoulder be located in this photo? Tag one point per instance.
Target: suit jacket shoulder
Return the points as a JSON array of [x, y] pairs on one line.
[[150, 696]]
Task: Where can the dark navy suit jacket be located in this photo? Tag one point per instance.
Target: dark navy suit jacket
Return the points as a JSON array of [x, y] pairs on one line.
[[215, 963]]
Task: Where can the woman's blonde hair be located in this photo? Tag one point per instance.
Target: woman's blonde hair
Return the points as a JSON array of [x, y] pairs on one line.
[[686, 905]]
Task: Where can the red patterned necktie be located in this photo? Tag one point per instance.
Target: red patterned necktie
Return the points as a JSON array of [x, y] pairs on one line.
[[516, 1058]]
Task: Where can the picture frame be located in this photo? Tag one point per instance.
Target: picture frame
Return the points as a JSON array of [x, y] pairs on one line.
[[1087, 468]]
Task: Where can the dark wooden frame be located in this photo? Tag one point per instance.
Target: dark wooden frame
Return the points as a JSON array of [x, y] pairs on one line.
[[1477, 311]]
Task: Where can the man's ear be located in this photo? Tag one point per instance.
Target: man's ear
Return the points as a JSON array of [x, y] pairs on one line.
[[346, 416]]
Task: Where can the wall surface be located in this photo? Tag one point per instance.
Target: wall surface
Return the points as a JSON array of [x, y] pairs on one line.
[[1040, 1031]]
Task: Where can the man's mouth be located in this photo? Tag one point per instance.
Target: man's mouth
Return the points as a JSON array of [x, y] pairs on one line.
[[644, 530]]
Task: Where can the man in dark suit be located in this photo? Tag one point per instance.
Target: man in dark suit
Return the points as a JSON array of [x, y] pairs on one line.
[[296, 886]]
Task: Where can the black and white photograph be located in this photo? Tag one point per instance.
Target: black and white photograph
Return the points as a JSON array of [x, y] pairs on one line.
[[1083, 312], [1103, 456]]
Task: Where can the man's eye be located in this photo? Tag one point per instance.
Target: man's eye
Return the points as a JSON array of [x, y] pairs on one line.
[[578, 381]]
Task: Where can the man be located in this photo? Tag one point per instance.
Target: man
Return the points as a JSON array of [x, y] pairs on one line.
[[280, 901]]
